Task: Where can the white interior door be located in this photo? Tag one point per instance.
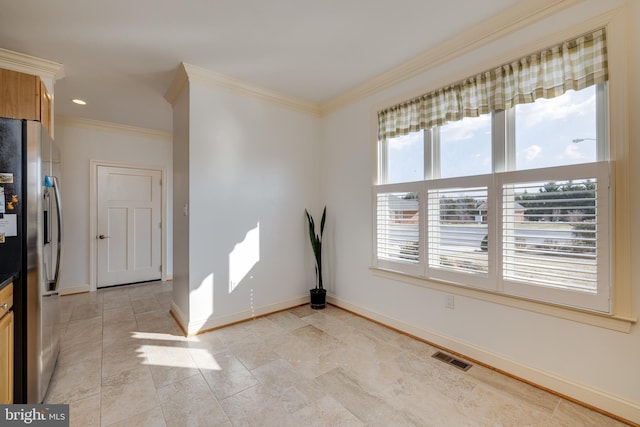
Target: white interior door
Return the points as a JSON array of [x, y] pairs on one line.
[[129, 225]]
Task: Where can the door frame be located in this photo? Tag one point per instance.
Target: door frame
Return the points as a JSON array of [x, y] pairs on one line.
[[93, 216]]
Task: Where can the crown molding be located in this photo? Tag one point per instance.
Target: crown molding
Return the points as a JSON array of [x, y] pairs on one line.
[[78, 122], [216, 80], [30, 64], [178, 84], [494, 28], [512, 19], [192, 73]]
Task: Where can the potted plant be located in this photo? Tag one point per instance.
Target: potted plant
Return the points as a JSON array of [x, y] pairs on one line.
[[318, 294]]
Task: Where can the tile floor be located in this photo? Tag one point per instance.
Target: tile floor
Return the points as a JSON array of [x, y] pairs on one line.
[[124, 362]]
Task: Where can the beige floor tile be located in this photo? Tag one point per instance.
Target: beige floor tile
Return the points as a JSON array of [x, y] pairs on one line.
[[117, 297], [126, 394], [260, 328], [315, 337], [118, 333], [118, 315], [514, 388], [280, 374], [263, 406], [447, 380], [85, 412], [122, 357], [88, 311], [230, 378], [145, 290], [124, 362], [489, 407], [83, 328], [159, 322], [302, 311], [169, 364], [367, 407], [79, 352], [412, 345], [189, 402], [211, 341], [145, 305], [568, 413], [323, 320], [164, 299], [287, 320], [324, 412], [151, 418], [74, 382], [253, 355], [236, 335]]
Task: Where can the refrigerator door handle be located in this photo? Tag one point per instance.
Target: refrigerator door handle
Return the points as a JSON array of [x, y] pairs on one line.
[[56, 190]]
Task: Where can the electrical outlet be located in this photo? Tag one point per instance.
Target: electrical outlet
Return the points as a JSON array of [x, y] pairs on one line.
[[449, 303]]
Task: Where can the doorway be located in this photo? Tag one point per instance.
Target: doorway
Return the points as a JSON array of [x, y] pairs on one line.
[[128, 224]]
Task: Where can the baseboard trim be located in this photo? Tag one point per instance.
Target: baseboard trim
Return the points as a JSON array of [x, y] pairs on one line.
[[592, 398], [212, 323], [179, 317], [80, 289]]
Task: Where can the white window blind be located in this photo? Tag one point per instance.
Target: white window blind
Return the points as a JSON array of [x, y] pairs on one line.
[[457, 226], [555, 234], [398, 227]]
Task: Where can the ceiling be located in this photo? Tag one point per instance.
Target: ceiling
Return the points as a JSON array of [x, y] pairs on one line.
[[120, 56]]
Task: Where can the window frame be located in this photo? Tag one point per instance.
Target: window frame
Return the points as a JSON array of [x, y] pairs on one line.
[[503, 168]]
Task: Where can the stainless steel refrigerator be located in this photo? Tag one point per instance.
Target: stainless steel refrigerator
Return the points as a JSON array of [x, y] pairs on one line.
[[31, 246]]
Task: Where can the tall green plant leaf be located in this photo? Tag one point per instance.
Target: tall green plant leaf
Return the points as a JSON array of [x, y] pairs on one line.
[[316, 244]]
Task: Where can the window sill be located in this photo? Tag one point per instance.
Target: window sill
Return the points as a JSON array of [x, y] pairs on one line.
[[612, 322]]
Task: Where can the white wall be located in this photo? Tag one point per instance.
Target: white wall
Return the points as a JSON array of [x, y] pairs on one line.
[[79, 144], [597, 365], [253, 169], [180, 200]]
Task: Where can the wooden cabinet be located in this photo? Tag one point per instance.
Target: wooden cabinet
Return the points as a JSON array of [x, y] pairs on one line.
[[45, 107], [6, 345], [24, 96]]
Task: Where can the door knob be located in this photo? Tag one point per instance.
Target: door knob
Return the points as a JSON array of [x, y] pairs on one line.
[[102, 236]]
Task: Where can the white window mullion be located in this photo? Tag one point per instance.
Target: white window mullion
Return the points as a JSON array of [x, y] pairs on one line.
[[602, 123], [432, 166], [383, 161], [498, 135], [510, 139]]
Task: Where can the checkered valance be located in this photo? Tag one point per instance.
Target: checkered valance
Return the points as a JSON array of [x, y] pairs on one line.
[[574, 64]]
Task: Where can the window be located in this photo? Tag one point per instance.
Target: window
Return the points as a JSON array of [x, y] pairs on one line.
[[404, 158], [513, 200], [469, 139], [558, 131]]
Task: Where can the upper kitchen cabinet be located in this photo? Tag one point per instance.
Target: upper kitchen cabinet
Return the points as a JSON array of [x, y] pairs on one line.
[[24, 96], [45, 107]]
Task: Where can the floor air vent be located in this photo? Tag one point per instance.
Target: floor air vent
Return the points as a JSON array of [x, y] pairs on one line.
[[452, 360]]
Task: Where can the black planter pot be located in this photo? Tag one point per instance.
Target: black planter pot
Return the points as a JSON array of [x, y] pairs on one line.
[[318, 298]]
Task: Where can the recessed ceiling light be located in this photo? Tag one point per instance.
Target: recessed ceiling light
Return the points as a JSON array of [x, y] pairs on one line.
[[79, 101]]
